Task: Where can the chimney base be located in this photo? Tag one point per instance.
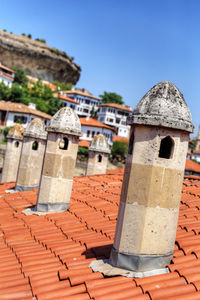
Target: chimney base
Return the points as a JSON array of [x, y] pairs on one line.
[[21, 188], [139, 263], [52, 207], [103, 266]]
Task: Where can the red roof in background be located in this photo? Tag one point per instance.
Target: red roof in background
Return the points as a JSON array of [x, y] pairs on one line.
[[48, 256], [67, 99], [94, 123], [78, 92], [7, 69], [84, 143], [115, 105], [50, 85], [192, 166], [120, 139], [22, 108]]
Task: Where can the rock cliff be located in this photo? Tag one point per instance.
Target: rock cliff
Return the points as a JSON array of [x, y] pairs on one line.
[[37, 59]]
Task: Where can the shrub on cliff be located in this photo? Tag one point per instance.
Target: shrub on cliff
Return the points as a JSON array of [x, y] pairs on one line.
[[111, 98], [119, 150]]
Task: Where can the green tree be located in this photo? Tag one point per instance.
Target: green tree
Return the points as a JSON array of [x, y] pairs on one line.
[[93, 113], [20, 77], [63, 86], [18, 94], [29, 36], [54, 105], [41, 91], [5, 91], [111, 98], [119, 149]]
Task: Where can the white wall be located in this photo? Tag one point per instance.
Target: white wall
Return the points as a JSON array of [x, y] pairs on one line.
[[105, 116], [196, 156], [107, 132], [27, 118], [7, 81]]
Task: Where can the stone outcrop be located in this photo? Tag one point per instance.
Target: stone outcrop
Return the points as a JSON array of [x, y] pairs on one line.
[[37, 59]]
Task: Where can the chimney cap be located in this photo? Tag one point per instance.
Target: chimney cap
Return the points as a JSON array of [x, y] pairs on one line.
[[100, 144], [163, 105], [16, 132], [65, 121], [36, 129]]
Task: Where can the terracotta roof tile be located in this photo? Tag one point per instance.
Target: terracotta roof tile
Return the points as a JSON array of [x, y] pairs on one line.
[[22, 108], [94, 123], [192, 166], [115, 105], [48, 256]]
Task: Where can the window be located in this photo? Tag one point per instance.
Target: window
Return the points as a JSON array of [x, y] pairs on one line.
[[87, 101], [93, 134], [88, 133], [166, 147], [110, 120], [16, 144], [63, 145], [35, 146], [99, 158], [98, 132], [117, 120], [123, 122], [20, 119]]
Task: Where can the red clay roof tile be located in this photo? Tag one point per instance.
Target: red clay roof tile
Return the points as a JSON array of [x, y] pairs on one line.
[[54, 251]]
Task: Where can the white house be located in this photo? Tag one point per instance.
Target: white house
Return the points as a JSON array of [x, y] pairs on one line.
[[68, 102], [115, 115], [6, 75], [85, 101], [90, 127], [12, 113]]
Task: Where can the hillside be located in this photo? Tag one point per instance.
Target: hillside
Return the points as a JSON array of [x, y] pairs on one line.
[[37, 59]]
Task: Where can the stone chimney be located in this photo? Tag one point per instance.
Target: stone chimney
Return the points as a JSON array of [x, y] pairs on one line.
[[59, 161], [152, 184], [98, 155], [13, 151], [32, 155]]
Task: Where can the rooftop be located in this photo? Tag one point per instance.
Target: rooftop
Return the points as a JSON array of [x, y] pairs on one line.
[[115, 105], [6, 68], [48, 256], [94, 123], [81, 93], [192, 166], [22, 108], [67, 99]]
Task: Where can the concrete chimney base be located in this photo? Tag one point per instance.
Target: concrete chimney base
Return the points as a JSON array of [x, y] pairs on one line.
[[52, 207], [104, 267], [139, 263], [46, 208], [21, 188]]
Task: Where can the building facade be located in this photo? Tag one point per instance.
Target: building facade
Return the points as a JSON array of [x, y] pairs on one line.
[[6, 75], [115, 115], [90, 128], [84, 104], [12, 113]]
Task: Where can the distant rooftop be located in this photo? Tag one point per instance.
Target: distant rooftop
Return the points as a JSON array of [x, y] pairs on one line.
[[94, 123], [82, 92], [22, 108], [115, 105]]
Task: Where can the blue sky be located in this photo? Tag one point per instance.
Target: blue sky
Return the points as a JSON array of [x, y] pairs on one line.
[[122, 46]]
